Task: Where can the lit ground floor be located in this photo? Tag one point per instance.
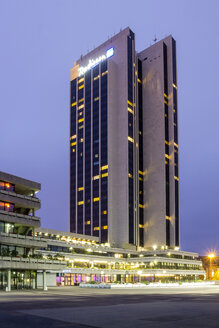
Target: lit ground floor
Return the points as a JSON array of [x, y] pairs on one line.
[[72, 279], [12, 279], [17, 279]]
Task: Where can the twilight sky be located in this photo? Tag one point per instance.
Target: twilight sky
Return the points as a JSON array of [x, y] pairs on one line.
[[40, 40]]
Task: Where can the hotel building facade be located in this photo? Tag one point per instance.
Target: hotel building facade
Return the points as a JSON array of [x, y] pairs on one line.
[[124, 179]]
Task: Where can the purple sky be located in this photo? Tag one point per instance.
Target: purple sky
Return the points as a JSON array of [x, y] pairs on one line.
[[40, 39]]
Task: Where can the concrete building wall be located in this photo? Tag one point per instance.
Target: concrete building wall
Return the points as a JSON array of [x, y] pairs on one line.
[[154, 144], [50, 279], [118, 143]]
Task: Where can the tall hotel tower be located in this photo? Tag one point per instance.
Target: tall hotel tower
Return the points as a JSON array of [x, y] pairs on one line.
[[124, 182]]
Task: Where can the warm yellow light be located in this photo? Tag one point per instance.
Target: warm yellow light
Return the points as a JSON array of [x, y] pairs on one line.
[[211, 256]]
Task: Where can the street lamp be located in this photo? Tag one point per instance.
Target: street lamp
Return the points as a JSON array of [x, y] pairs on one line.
[[211, 256]]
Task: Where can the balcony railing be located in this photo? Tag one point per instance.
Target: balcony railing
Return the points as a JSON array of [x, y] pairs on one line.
[[19, 215], [31, 260], [14, 194]]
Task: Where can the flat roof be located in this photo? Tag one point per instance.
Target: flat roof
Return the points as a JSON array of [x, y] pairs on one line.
[[20, 182], [66, 234]]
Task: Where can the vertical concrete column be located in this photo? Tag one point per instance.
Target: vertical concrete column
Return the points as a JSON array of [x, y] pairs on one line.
[[44, 280], [8, 289]]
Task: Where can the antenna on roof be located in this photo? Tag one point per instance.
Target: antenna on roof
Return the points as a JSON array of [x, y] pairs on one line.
[[155, 38]]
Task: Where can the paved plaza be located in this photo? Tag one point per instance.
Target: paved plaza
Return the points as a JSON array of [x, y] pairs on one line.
[[92, 308]]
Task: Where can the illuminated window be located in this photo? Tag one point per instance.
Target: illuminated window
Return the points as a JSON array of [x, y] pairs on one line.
[[139, 81], [80, 127], [87, 222], [81, 87], [104, 73], [174, 86], [165, 102], [130, 110], [74, 104], [81, 202], [130, 175], [80, 100], [73, 137], [96, 199], [81, 140], [96, 77], [176, 178], [140, 172], [73, 144], [81, 120], [73, 150], [167, 143], [167, 156], [104, 175], [104, 227], [130, 139], [81, 106], [140, 205], [130, 103], [96, 177], [97, 98], [140, 178], [104, 212], [81, 80], [105, 167], [96, 228], [175, 144], [80, 188], [141, 226], [167, 217]]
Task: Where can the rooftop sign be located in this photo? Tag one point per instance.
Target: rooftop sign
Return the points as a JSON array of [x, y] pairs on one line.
[[93, 62]]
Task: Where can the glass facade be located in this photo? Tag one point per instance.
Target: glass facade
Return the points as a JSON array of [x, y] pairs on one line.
[[88, 176], [96, 151], [176, 146], [131, 141], [7, 186], [104, 154], [140, 165], [88, 149], [6, 207], [20, 279], [167, 143], [73, 142], [80, 156]]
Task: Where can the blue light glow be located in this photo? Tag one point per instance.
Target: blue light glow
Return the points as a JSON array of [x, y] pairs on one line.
[[110, 52]]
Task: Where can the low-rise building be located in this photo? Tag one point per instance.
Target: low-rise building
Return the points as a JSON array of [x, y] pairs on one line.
[[19, 262], [88, 260]]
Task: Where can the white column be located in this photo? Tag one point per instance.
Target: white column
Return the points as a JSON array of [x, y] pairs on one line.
[[8, 289], [44, 280]]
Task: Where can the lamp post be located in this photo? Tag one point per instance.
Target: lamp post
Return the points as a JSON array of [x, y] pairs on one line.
[[211, 257]]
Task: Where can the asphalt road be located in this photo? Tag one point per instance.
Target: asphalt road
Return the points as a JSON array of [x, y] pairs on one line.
[[92, 308]]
